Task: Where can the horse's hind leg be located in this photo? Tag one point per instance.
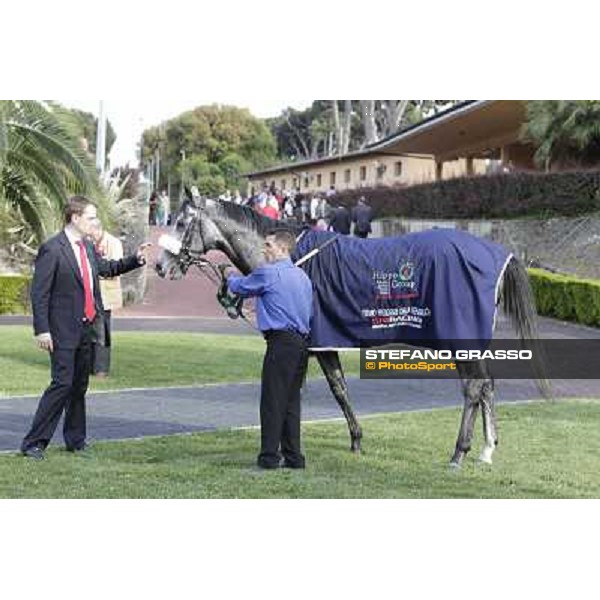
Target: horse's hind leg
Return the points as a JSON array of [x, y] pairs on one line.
[[471, 406], [332, 368], [488, 414], [478, 389]]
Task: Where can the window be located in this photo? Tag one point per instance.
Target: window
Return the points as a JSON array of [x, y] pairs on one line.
[[398, 168], [318, 179], [363, 173], [347, 176], [295, 183], [306, 182], [283, 184], [332, 178]]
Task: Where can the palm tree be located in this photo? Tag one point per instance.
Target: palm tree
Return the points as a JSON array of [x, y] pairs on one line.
[[41, 163], [565, 132]]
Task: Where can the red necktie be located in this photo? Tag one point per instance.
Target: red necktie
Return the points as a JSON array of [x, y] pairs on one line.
[[89, 308]]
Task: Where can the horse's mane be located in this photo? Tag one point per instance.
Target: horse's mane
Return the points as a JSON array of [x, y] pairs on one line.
[[248, 217]]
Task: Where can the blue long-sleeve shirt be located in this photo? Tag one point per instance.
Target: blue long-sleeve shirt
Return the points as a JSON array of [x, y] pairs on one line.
[[284, 295]]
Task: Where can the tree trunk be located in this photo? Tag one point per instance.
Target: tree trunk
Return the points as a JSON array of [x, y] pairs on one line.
[[398, 114], [346, 127], [305, 150], [338, 133], [367, 109]]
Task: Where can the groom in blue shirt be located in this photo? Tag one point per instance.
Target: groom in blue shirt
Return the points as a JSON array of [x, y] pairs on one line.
[[284, 308]]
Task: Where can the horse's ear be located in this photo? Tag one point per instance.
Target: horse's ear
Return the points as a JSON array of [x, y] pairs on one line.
[[188, 193]]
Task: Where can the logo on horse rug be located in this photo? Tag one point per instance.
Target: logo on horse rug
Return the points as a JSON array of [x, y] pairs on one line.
[[434, 285]]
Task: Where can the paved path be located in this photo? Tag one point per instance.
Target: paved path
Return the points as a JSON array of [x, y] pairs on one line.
[[163, 411]]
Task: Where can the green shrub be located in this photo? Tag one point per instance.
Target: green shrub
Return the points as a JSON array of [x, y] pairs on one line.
[[565, 297], [499, 196], [14, 294]]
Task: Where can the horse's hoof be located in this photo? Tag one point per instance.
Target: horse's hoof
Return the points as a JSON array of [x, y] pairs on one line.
[[355, 449], [485, 457], [454, 465]]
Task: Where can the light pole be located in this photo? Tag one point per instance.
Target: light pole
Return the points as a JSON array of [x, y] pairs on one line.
[[101, 141], [182, 152]]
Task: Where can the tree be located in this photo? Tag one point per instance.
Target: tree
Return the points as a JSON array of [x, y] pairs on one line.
[[227, 139], [336, 127], [566, 133], [41, 162]]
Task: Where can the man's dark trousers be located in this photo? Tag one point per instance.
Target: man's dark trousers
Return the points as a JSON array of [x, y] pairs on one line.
[[70, 377], [284, 367]]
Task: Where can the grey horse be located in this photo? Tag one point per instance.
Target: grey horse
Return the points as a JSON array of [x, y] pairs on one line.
[[238, 231]]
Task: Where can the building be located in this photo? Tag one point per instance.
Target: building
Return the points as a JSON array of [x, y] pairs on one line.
[[468, 139]]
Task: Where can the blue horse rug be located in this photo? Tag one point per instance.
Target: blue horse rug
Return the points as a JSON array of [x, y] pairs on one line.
[[420, 288]]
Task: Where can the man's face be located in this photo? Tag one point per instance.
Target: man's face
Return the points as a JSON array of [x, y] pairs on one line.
[[85, 222], [273, 250]]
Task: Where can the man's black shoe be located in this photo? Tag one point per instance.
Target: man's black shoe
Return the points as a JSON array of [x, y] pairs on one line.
[[35, 453], [82, 448], [267, 465], [288, 465]]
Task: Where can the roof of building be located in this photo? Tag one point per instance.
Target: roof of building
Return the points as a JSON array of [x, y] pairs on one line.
[[380, 146]]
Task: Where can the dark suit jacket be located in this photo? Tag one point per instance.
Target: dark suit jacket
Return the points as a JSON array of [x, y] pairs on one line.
[[57, 295], [362, 216], [340, 221]]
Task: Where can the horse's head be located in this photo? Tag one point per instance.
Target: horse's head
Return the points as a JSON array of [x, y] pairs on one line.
[[185, 243], [203, 225]]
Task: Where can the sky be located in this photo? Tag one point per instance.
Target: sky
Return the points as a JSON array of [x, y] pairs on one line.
[[129, 118]]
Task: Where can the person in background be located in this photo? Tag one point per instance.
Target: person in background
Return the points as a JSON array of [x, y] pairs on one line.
[[284, 309], [108, 247], [314, 207], [324, 210], [153, 209], [288, 207], [362, 215], [340, 220], [65, 300], [165, 203]]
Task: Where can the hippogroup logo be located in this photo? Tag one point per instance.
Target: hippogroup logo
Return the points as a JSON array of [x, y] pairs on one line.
[[396, 284], [406, 271]]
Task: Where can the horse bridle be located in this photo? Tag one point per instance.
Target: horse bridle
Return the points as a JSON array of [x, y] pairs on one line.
[[187, 257], [232, 303]]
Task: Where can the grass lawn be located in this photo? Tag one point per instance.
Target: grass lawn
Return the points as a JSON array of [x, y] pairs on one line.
[[147, 359], [548, 450]]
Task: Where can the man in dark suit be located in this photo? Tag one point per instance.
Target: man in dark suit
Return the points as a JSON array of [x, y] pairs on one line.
[[340, 220], [362, 215], [66, 298]]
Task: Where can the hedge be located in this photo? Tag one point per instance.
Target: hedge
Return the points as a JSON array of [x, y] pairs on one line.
[[559, 296], [14, 294], [505, 195], [566, 297]]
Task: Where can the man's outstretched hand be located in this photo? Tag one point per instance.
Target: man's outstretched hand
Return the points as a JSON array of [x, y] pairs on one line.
[[142, 252]]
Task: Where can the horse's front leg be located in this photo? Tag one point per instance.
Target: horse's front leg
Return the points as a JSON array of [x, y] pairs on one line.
[[332, 368]]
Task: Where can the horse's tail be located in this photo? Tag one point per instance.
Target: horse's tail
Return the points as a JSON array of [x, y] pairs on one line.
[[519, 305]]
